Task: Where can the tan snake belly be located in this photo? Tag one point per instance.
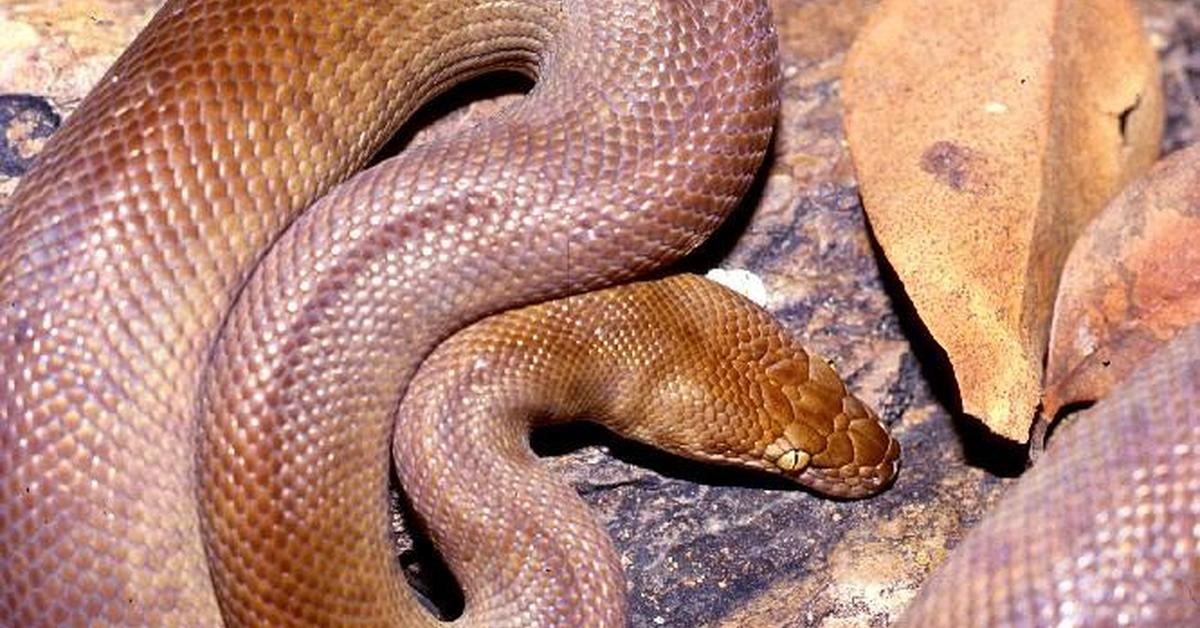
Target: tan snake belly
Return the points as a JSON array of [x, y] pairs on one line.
[[196, 429]]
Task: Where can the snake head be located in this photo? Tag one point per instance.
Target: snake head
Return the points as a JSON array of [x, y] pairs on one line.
[[826, 439]]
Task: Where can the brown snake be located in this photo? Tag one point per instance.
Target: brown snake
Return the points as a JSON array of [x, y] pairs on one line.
[[198, 389], [205, 337]]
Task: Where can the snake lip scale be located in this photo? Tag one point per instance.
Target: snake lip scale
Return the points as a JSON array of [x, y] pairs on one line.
[[219, 333]]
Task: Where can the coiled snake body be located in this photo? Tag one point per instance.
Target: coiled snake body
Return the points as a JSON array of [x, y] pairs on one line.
[[195, 429]]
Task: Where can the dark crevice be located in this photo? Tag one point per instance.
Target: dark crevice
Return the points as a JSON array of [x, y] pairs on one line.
[[426, 571], [454, 101], [1044, 428], [1066, 414], [1123, 120], [560, 440]]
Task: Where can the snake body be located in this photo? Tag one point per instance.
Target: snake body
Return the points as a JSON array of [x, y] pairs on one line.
[[207, 331], [1105, 530]]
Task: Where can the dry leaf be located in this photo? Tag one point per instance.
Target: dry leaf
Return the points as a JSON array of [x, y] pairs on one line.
[[986, 134], [1131, 283]]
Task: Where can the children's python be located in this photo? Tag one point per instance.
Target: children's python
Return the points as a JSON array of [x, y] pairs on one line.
[[209, 340], [207, 334]]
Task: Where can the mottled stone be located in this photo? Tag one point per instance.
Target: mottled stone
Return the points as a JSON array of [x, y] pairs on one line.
[[705, 545], [27, 122]]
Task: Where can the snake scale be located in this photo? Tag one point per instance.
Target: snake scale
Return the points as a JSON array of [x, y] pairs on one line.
[[214, 330]]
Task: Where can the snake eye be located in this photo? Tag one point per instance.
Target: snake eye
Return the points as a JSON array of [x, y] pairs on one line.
[[793, 460], [786, 457]]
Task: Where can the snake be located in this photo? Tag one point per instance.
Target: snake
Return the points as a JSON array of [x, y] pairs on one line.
[[219, 333], [221, 329], [1105, 529]]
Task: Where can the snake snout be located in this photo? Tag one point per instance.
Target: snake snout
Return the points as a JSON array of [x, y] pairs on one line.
[[872, 466]]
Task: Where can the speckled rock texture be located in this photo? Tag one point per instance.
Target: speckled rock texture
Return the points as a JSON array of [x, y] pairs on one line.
[[705, 546]]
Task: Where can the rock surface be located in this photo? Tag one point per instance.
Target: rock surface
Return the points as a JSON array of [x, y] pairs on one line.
[[701, 545]]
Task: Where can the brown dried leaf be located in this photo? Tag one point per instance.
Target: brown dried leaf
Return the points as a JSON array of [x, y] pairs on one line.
[[1131, 283], [986, 134]]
